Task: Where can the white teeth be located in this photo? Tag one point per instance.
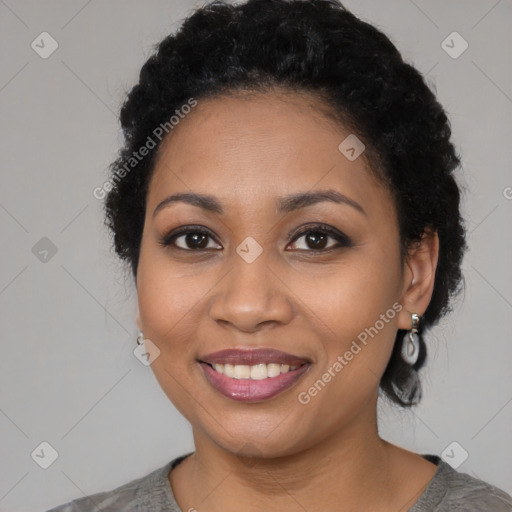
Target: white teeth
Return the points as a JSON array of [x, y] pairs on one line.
[[229, 370], [259, 372], [255, 372], [241, 371], [273, 370]]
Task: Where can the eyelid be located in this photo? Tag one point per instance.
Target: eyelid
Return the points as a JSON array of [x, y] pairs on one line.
[[168, 239], [342, 239]]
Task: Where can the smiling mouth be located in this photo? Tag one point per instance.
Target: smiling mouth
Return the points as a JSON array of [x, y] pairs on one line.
[[255, 372], [252, 375], [252, 383]]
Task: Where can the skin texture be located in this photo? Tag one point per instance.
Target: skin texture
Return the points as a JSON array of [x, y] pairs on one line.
[[248, 150]]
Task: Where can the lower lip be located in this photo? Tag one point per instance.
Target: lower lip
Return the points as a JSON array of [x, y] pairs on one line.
[[250, 390]]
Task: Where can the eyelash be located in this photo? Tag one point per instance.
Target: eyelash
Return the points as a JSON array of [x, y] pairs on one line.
[[343, 240]]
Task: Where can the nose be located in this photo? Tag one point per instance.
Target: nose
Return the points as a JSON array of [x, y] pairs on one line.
[[251, 297]]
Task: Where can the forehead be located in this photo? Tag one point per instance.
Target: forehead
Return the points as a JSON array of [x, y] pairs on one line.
[[253, 147]]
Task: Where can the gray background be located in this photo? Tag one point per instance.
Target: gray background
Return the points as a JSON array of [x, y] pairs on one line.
[[68, 373]]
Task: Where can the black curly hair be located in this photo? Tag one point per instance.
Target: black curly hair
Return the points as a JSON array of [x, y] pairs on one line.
[[318, 47]]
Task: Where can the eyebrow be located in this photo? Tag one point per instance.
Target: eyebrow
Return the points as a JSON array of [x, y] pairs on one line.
[[284, 204]]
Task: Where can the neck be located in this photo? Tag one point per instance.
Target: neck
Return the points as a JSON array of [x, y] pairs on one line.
[[353, 466]]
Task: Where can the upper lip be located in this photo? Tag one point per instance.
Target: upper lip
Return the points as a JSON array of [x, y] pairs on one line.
[[252, 357]]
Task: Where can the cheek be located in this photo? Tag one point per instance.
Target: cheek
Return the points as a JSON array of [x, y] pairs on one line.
[[166, 296], [168, 304], [354, 310], [348, 297]]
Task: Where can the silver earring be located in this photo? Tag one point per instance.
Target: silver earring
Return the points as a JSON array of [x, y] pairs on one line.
[[140, 338], [411, 342]]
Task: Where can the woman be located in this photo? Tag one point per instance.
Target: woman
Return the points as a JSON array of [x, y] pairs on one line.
[[286, 201]]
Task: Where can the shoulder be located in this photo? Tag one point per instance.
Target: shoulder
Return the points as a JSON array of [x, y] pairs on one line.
[[149, 492], [453, 491], [122, 498]]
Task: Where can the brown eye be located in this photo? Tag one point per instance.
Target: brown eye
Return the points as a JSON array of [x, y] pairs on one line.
[[193, 241], [316, 238], [189, 240]]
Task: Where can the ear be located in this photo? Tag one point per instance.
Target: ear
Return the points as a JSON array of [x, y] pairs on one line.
[[419, 277], [139, 324]]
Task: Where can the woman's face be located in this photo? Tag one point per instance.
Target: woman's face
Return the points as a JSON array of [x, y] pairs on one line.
[[264, 276]]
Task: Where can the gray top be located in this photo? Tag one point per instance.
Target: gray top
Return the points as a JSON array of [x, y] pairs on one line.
[[448, 491]]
